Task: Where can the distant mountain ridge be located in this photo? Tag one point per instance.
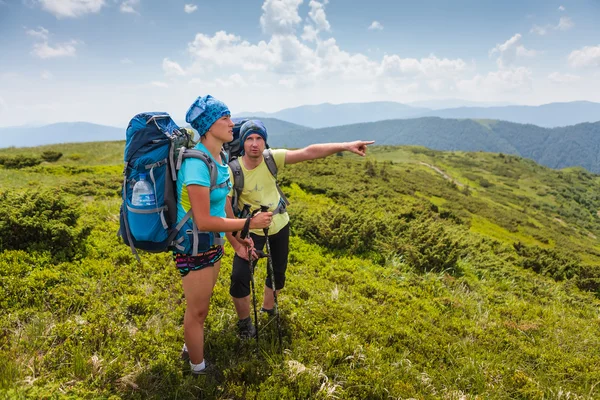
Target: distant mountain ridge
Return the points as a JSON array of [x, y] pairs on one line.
[[547, 115], [326, 114], [577, 145], [62, 132], [73, 132]]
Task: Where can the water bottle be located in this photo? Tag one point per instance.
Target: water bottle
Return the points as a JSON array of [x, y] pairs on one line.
[[143, 195]]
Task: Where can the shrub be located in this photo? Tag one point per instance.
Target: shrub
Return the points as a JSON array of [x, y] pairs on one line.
[[41, 221], [19, 162], [430, 245], [550, 262], [51, 156]]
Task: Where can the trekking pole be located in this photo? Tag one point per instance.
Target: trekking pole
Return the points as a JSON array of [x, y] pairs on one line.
[[272, 273], [251, 265]]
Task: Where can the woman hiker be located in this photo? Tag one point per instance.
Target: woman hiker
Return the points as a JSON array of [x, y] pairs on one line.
[[212, 120]]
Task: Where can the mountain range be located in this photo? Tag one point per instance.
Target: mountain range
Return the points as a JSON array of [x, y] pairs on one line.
[[72, 132], [558, 147], [547, 115], [577, 145]]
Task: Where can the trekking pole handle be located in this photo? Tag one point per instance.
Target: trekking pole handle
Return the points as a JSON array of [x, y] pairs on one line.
[[265, 209]]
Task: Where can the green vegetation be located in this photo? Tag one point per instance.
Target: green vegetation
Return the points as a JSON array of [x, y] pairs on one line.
[[413, 274]]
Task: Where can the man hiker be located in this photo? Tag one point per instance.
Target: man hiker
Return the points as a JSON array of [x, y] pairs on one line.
[[260, 189]]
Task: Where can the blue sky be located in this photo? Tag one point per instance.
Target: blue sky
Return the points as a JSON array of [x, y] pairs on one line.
[[105, 60]]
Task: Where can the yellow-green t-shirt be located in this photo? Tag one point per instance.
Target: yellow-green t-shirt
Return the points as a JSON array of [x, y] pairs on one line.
[[260, 189]]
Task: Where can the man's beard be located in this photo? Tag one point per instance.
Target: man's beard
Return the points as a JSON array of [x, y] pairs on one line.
[[259, 155]]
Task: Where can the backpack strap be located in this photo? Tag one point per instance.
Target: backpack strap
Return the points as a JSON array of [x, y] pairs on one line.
[[272, 166], [185, 153], [238, 184]]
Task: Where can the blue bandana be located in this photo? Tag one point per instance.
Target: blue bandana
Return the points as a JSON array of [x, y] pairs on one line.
[[250, 127], [204, 112]]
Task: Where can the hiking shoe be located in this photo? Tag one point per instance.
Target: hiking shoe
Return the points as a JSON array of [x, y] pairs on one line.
[[185, 356], [269, 312], [208, 369], [246, 329]]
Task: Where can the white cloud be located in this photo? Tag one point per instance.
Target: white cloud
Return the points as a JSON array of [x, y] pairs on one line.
[[588, 56], [172, 68], [561, 8], [47, 75], [71, 8], [565, 23], [280, 17], [159, 84], [428, 67], [375, 26], [41, 33], [317, 15], [126, 61], [310, 33], [505, 80], [234, 80], [44, 50], [557, 77], [128, 6], [510, 50], [190, 8], [540, 30], [225, 49]]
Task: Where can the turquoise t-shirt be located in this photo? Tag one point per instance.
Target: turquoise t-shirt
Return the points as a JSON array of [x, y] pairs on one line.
[[195, 172]]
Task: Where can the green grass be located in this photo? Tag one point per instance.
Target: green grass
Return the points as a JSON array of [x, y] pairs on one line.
[[400, 285]]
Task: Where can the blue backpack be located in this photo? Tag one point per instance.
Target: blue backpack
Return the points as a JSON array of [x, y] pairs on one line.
[[156, 146]]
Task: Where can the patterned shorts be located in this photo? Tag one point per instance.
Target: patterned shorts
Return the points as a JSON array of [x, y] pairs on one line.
[[186, 263]]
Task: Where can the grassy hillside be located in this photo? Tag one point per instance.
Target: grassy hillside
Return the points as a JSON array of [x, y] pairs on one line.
[[413, 274]]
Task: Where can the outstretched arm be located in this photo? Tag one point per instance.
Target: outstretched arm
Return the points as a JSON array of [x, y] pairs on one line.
[[315, 151]]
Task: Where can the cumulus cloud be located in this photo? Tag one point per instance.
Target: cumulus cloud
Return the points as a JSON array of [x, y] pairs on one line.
[[318, 16], [304, 60], [310, 33], [375, 26], [128, 6], [42, 49], [509, 51], [557, 77], [190, 8], [280, 17], [126, 61], [561, 8], [224, 49], [588, 56], [71, 8], [46, 75], [172, 68]]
